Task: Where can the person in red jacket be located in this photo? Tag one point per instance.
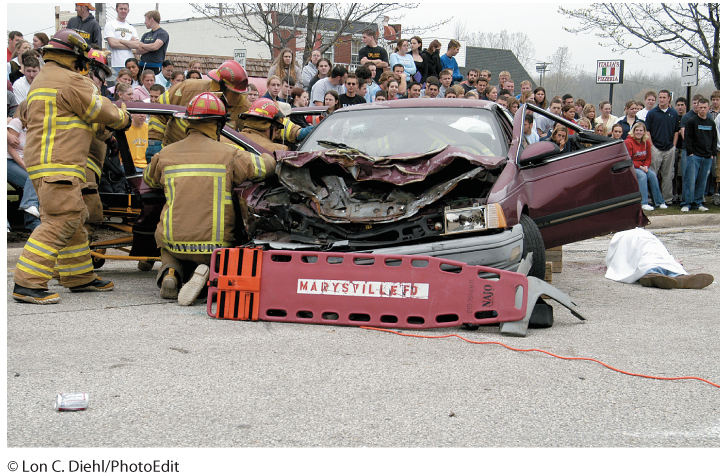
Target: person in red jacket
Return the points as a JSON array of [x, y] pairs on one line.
[[638, 147]]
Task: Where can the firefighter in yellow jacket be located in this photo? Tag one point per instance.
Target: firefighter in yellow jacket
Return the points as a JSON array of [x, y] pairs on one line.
[[198, 175], [230, 80], [266, 124], [62, 106]]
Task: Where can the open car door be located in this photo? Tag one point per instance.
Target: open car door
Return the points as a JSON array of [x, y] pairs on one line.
[[586, 190]]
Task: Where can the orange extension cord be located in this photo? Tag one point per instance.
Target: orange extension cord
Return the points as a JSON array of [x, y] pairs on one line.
[[543, 351]]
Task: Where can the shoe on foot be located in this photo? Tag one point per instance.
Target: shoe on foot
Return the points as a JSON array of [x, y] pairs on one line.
[[693, 281], [33, 211], [34, 296], [703, 209], [95, 285], [194, 286], [663, 206], [647, 208], [655, 280], [145, 265], [685, 209], [170, 285]]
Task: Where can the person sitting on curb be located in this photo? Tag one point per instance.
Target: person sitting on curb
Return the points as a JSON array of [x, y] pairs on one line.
[[638, 255]]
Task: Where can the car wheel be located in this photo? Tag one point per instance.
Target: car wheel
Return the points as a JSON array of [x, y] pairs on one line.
[[533, 243]]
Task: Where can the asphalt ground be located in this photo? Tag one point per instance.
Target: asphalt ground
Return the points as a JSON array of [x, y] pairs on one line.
[[164, 376]]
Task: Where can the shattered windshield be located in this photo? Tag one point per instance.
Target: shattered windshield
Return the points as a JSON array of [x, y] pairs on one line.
[[382, 132]]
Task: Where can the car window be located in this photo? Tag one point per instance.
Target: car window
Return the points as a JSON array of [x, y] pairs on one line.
[[383, 132]]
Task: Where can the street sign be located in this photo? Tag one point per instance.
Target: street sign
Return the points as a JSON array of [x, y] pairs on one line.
[[610, 72], [689, 71], [240, 56]]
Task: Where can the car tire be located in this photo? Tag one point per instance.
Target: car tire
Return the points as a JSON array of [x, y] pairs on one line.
[[533, 243]]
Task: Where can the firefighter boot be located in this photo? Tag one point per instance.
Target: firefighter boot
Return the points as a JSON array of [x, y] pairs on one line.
[[169, 288], [35, 296], [194, 286], [95, 285]]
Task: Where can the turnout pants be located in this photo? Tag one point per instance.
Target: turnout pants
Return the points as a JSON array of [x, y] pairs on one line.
[[61, 238]]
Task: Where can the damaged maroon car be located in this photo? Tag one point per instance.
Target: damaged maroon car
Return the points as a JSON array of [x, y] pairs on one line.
[[446, 178]]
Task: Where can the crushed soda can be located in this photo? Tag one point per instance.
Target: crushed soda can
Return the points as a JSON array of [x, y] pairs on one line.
[[71, 402]]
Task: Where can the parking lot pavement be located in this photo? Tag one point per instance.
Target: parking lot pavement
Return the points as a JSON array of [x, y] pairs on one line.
[[160, 375]]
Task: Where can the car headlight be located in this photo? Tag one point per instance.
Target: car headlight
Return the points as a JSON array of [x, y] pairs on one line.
[[482, 217]]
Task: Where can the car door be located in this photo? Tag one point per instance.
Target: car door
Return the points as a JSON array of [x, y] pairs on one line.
[[573, 195]]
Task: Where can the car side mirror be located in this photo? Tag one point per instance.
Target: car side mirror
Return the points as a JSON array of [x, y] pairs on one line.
[[538, 151]]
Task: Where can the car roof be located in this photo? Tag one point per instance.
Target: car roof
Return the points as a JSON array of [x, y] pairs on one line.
[[424, 102]]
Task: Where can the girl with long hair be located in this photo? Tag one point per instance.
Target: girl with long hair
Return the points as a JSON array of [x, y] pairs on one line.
[[420, 62], [539, 98], [285, 65], [400, 56], [640, 149], [133, 66], [432, 57]]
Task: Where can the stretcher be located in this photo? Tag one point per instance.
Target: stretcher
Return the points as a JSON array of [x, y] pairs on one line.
[[356, 289]]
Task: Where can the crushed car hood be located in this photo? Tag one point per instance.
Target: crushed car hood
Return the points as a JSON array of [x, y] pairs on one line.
[[347, 186]]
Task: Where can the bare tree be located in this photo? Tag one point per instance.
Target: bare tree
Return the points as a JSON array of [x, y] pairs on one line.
[[460, 30], [519, 43], [274, 24], [561, 70], [679, 30]]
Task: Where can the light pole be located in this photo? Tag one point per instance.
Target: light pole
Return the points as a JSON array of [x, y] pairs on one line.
[[541, 68]]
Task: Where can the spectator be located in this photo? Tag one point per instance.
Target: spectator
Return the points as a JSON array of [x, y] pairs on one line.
[[361, 87], [502, 100], [372, 53], [527, 98], [335, 82], [525, 86], [14, 37], [559, 136], [40, 40], [512, 105], [365, 73], [433, 87], [431, 56], [153, 45], [510, 86], [567, 112], [400, 56], [331, 101], [539, 97], [616, 131], [141, 92], [350, 98], [471, 95], [165, 75], [472, 81], [590, 113], [15, 67], [450, 93], [177, 77], [421, 64], [579, 107], [399, 75], [121, 36], [528, 133], [273, 84], [18, 174], [192, 74], [253, 93], [459, 91], [414, 89], [567, 99], [491, 93], [650, 100], [324, 69], [309, 71], [380, 96], [392, 89], [31, 68], [123, 92], [155, 92], [446, 78], [663, 125], [598, 129], [86, 25], [701, 145], [543, 123], [638, 147], [449, 62], [195, 65], [681, 108], [285, 65], [631, 109], [287, 83], [714, 179], [133, 66], [388, 75], [480, 86], [299, 98], [714, 104], [606, 117], [503, 76], [137, 136]]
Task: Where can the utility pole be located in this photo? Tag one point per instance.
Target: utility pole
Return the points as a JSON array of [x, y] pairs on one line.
[[542, 68]]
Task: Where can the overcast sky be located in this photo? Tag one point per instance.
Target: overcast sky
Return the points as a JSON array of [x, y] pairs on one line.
[[540, 21]]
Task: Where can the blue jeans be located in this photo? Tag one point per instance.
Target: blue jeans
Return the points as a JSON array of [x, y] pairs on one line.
[[18, 178], [649, 179], [672, 274], [153, 147], [694, 180]]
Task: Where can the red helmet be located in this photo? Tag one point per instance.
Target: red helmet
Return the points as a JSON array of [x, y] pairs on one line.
[[232, 74], [99, 60], [204, 106], [67, 40], [265, 108]]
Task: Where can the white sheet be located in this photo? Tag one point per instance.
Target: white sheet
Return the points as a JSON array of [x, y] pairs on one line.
[[632, 253]]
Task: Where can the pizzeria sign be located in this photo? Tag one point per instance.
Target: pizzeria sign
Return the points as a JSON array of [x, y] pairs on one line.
[[610, 72]]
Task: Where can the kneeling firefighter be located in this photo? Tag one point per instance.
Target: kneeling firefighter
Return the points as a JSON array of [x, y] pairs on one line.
[[266, 124], [198, 175]]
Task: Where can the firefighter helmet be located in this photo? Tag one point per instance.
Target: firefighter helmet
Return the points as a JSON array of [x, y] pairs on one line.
[[204, 106], [68, 41], [100, 61], [265, 108], [233, 75]]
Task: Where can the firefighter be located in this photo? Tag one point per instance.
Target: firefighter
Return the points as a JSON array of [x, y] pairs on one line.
[[267, 125], [230, 79], [62, 106], [198, 175]]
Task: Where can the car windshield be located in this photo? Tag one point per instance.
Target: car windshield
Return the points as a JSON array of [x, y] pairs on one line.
[[382, 132]]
